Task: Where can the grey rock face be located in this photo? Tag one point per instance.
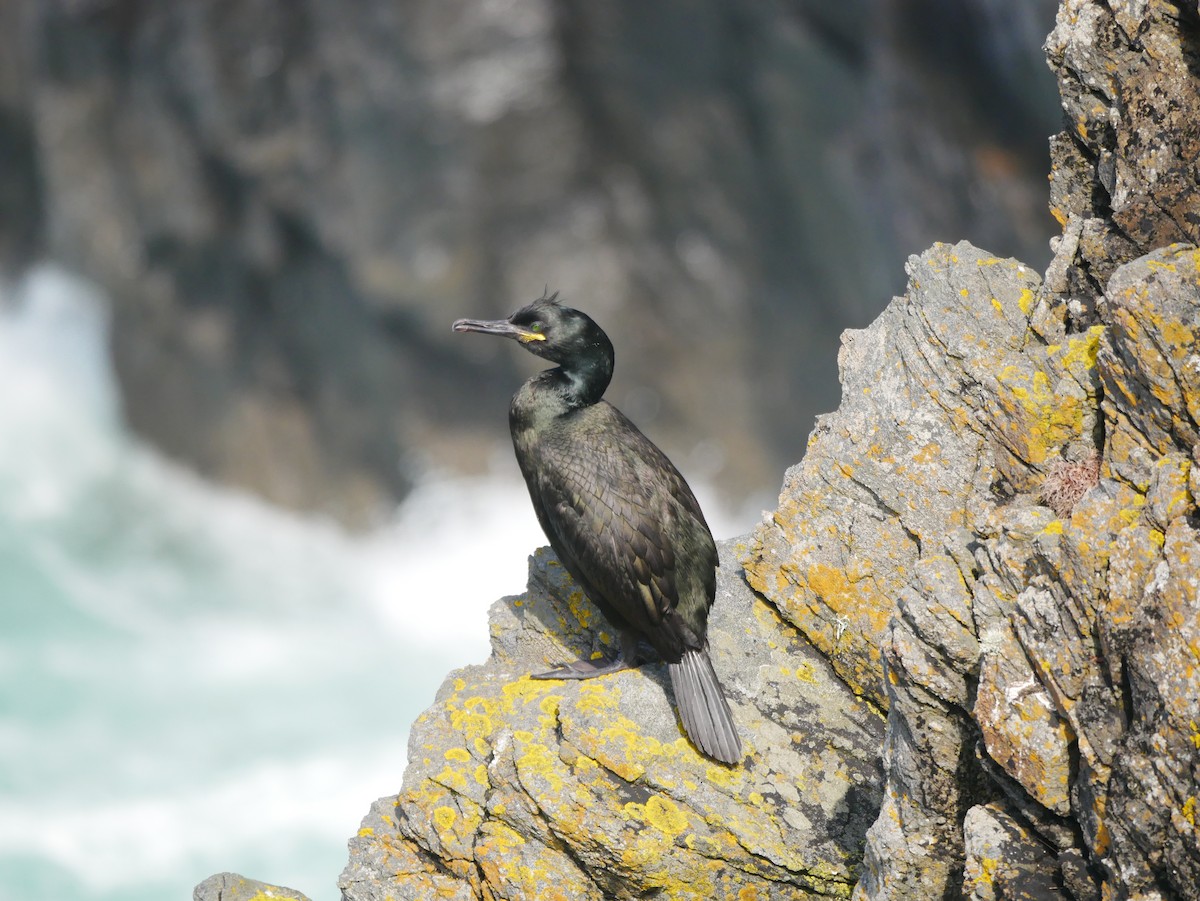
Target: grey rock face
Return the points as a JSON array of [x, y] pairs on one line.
[[1123, 175], [1006, 861], [1025, 651]]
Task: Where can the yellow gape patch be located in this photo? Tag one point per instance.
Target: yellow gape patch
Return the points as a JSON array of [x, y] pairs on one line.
[[526, 337]]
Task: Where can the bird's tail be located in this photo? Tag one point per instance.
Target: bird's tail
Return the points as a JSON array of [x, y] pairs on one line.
[[702, 707]]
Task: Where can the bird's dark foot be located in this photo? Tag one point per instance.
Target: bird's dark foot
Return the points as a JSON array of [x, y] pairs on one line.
[[628, 657], [584, 669]]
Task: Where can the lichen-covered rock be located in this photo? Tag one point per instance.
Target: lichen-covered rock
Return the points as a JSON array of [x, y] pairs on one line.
[[1010, 630], [1124, 177], [1151, 367], [994, 537], [897, 464], [232, 887], [1005, 861], [526, 789]]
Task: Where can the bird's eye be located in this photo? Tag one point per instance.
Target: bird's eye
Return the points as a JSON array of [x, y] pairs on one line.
[[535, 326]]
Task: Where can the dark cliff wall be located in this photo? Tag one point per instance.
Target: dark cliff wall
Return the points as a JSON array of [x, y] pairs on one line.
[[289, 201]]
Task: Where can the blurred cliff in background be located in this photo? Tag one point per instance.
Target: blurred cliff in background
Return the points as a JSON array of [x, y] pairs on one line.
[[288, 202]]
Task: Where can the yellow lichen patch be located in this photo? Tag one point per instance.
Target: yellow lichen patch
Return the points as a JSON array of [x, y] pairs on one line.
[[1178, 336], [723, 776], [1025, 301], [471, 724], [880, 454], [1189, 810], [366, 832], [805, 673], [928, 453], [1054, 527], [511, 867], [623, 749], [987, 870], [1159, 264], [524, 690], [1129, 515], [481, 775], [647, 850], [1081, 351], [663, 815], [549, 708], [462, 755], [841, 592], [596, 697], [538, 761], [1036, 420], [453, 779], [427, 794], [444, 817], [580, 608]]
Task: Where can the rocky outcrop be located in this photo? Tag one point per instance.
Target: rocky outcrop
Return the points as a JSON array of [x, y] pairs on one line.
[[1000, 519], [232, 887], [1124, 176], [523, 789], [954, 400], [1001, 516], [288, 202]]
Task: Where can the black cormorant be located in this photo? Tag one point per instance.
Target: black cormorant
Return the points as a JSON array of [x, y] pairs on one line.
[[619, 515]]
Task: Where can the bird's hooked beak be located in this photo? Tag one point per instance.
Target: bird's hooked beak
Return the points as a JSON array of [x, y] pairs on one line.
[[500, 327]]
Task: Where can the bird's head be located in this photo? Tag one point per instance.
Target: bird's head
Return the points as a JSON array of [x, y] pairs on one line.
[[547, 328]]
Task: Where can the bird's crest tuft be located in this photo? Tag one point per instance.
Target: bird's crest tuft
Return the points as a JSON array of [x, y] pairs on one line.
[[547, 299]]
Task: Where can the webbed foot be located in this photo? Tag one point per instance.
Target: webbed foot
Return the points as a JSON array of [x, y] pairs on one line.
[[584, 669], [590, 669]]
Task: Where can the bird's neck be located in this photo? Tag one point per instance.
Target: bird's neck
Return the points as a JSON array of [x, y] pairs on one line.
[[553, 393], [582, 383]]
